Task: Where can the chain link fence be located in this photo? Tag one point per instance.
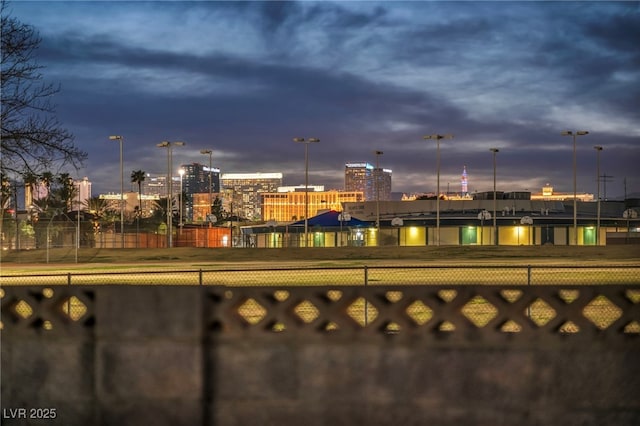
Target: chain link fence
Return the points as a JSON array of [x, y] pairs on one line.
[[50, 235], [347, 276]]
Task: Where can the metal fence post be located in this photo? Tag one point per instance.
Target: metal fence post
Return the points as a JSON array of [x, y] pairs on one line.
[[366, 302], [200, 277], [366, 275], [69, 298], [529, 284]]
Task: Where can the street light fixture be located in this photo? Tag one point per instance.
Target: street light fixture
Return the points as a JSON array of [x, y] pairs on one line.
[[495, 228], [598, 150], [575, 134], [377, 175], [169, 146], [120, 139], [306, 143], [437, 138]]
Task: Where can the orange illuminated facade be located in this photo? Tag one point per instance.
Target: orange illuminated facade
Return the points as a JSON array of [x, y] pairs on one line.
[[289, 206], [201, 205]]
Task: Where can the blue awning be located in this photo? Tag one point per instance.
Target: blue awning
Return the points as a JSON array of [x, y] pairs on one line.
[[330, 219]]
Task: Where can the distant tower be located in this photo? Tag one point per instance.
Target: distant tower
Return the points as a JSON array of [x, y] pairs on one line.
[[465, 190]]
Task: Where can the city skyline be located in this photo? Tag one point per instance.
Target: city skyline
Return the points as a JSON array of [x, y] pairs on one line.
[[244, 79]]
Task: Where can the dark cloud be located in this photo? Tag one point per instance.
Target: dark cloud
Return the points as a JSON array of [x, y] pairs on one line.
[[333, 16], [278, 15], [620, 33], [360, 76]]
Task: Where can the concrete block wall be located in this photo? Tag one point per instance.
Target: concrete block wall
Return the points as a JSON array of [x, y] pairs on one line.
[[169, 355], [149, 356], [353, 384]]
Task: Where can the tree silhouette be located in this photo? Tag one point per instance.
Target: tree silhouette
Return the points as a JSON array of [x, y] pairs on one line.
[[101, 212], [137, 177], [66, 191], [31, 138]]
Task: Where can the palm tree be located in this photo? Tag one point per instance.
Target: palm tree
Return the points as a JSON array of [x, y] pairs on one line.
[[67, 191], [97, 206], [138, 176], [101, 212]]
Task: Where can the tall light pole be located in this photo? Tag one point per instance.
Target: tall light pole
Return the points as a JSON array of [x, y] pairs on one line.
[[495, 228], [181, 173], [169, 146], [377, 176], [306, 143], [120, 139], [437, 138], [210, 153], [598, 150], [575, 134], [78, 211]]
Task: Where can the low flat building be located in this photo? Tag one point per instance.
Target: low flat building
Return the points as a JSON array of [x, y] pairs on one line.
[[470, 222]]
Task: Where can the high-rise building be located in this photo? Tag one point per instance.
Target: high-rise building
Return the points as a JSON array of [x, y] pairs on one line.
[[383, 177], [157, 185], [363, 177], [154, 185], [359, 177], [196, 181], [83, 194], [246, 189]]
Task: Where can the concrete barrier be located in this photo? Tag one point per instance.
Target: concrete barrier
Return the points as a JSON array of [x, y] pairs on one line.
[[442, 355]]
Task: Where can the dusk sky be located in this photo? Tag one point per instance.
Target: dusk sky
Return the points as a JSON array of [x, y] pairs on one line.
[[245, 78]]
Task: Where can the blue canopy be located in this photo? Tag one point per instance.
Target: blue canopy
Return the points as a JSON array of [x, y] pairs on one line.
[[330, 219]]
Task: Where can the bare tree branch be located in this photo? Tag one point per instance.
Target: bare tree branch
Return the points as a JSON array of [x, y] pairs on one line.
[[32, 138]]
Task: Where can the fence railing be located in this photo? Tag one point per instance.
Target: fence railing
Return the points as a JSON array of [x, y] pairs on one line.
[[351, 275]]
